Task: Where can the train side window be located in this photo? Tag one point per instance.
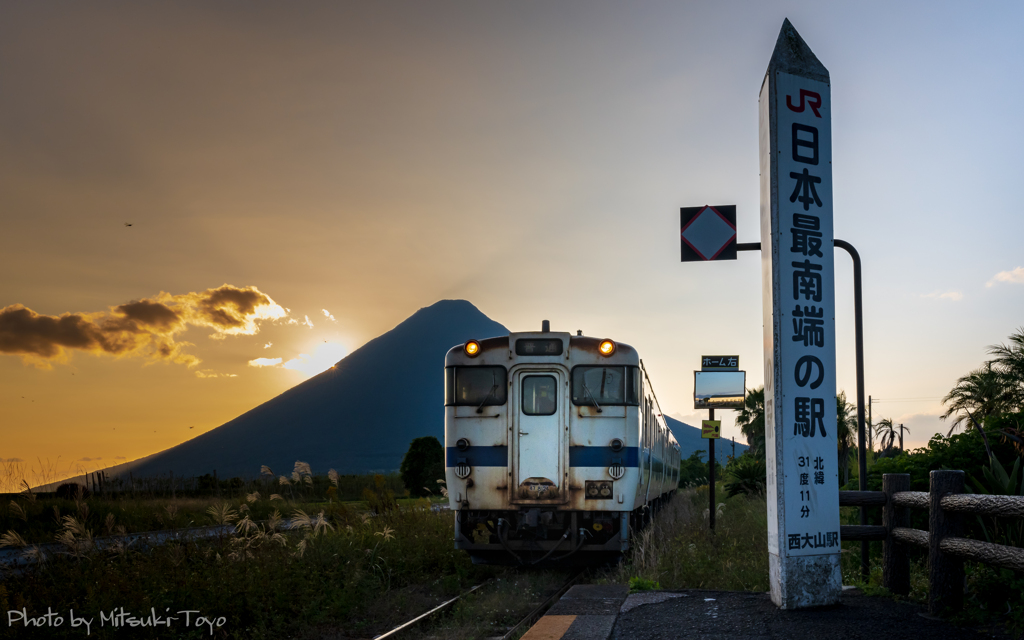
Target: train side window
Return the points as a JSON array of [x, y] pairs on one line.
[[633, 385], [475, 386], [539, 397]]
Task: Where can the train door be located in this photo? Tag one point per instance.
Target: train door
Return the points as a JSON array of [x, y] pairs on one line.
[[538, 433]]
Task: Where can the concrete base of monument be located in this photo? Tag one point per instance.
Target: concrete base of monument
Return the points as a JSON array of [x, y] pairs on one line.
[[798, 582]]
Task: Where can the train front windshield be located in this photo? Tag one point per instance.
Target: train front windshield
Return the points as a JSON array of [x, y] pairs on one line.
[[605, 385], [475, 386]]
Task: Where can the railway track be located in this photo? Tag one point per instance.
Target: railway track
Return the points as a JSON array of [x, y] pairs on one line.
[[518, 628]]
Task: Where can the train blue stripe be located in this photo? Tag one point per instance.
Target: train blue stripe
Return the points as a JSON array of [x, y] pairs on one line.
[[603, 456], [478, 456], [578, 456]]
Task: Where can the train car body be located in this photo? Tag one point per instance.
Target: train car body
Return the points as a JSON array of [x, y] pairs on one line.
[[555, 448]]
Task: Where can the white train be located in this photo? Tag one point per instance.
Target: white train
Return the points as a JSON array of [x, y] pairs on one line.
[[555, 447]]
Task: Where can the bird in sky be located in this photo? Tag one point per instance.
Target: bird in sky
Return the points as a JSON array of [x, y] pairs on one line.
[[127, 224]]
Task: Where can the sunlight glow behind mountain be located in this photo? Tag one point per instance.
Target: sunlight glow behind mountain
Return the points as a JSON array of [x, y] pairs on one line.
[[323, 357]]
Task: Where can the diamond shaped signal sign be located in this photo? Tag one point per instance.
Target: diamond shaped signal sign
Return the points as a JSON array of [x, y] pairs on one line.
[[708, 233]]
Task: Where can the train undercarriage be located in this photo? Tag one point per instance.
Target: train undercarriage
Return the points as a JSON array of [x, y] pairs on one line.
[[538, 536]]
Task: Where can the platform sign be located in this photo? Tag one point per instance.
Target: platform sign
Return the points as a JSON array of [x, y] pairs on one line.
[[799, 327], [708, 233], [710, 429], [719, 363]]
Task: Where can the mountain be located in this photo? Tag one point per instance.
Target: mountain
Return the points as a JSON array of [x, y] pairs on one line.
[[689, 441], [357, 417]]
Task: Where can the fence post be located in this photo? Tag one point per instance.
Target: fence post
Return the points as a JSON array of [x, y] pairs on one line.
[[895, 561], [945, 572]]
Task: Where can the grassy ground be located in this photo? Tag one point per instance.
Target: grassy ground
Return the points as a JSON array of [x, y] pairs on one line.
[[350, 575], [677, 551], [354, 575], [342, 571]]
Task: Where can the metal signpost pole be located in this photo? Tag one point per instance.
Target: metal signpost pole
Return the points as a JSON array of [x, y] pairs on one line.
[[711, 472], [719, 383], [862, 461], [798, 292]]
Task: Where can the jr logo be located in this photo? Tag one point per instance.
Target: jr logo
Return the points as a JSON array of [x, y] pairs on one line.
[[813, 101]]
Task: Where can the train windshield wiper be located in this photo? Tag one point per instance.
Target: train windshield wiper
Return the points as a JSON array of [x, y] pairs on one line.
[[592, 398], [480, 408]]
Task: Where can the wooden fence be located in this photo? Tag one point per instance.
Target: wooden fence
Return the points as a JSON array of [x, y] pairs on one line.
[[946, 503]]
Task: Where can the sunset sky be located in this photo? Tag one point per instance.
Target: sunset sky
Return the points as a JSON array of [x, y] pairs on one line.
[[300, 178]]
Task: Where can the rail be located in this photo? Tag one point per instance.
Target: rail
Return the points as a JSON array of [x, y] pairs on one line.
[[946, 503], [517, 629]]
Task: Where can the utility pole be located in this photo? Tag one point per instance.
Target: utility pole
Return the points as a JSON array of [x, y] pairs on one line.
[[871, 428]]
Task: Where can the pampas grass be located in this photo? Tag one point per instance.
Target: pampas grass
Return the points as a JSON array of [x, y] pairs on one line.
[[222, 513], [17, 511], [12, 539]]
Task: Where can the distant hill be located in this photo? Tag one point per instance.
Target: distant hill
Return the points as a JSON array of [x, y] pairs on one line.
[[356, 417], [690, 441]]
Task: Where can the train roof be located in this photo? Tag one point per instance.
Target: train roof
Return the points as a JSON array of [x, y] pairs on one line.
[[576, 350]]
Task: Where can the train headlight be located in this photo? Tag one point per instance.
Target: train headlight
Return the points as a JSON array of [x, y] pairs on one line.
[[472, 348], [616, 471], [607, 348], [462, 444], [462, 470], [617, 445]]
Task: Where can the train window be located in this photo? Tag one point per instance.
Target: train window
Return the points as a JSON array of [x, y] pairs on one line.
[[475, 386], [605, 386], [539, 395], [539, 347]]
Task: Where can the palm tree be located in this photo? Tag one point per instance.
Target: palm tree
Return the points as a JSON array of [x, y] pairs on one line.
[[885, 429], [982, 392], [750, 420], [1009, 360], [846, 427]]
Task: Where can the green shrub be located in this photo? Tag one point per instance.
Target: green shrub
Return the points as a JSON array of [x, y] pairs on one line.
[[422, 465], [693, 472], [642, 584], [747, 474], [379, 498]]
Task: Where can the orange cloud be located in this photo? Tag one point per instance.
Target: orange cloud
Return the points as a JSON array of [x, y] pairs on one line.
[[145, 328]]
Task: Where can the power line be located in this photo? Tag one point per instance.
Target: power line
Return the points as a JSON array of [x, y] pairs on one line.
[[876, 400]]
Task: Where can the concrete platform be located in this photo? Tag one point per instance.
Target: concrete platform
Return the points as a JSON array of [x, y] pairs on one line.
[[608, 612], [584, 612]]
